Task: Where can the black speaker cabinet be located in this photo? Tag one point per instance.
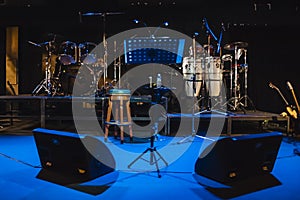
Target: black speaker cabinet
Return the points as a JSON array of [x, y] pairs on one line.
[[240, 157], [64, 154]]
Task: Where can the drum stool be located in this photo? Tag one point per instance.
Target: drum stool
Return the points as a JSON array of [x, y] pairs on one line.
[[117, 99]]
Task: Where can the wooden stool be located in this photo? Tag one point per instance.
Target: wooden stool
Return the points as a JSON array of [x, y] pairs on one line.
[[117, 98]]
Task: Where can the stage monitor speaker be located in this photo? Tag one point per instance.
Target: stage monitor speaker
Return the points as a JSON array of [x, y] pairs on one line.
[[64, 154], [240, 157]]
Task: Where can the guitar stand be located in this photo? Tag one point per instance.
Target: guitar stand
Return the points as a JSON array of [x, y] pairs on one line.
[[153, 159]]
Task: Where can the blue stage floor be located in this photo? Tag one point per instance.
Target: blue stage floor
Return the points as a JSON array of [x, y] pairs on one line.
[[20, 166]]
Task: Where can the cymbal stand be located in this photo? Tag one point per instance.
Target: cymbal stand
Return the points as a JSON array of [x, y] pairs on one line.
[[237, 99], [231, 80], [117, 64], [245, 96], [246, 77], [234, 87], [46, 82], [105, 48]]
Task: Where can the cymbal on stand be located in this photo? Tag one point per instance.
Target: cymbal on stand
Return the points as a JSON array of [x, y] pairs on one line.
[[233, 45]]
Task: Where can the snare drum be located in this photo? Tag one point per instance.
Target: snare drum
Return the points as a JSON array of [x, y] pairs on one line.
[[68, 53], [85, 53], [215, 75]]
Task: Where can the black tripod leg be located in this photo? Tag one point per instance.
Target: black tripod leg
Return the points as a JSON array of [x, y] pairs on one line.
[[138, 158], [160, 156], [156, 164]]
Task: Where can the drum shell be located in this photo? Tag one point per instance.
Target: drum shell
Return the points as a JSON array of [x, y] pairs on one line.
[[190, 67], [86, 54], [68, 53], [193, 74], [215, 75]]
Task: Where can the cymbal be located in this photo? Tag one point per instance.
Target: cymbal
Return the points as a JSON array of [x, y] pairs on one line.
[[42, 44], [34, 44], [49, 46], [233, 45]]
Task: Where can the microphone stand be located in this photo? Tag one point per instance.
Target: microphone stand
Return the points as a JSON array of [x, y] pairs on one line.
[[153, 152]]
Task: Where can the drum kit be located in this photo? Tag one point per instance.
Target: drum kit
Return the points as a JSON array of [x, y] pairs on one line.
[[206, 75], [69, 56]]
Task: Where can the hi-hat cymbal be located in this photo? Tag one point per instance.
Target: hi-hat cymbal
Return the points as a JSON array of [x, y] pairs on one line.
[[234, 45]]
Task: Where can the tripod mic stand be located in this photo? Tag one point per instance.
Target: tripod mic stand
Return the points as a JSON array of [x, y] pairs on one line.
[[153, 159]]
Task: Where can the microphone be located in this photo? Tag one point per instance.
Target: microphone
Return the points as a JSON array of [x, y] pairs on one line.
[[80, 17]]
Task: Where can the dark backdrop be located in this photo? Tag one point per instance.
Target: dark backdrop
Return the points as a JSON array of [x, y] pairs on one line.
[[271, 32]]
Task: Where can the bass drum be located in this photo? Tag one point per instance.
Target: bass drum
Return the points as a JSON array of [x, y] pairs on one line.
[[215, 76], [68, 53], [191, 69], [85, 53], [67, 77]]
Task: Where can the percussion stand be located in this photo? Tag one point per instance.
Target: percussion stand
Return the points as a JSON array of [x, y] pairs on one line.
[[194, 134], [206, 97]]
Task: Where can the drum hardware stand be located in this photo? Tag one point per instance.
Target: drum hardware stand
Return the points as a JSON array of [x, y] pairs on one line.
[[246, 78], [153, 159], [103, 15], [46, 82], [206, 98], [235, 86], [193, 134]]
